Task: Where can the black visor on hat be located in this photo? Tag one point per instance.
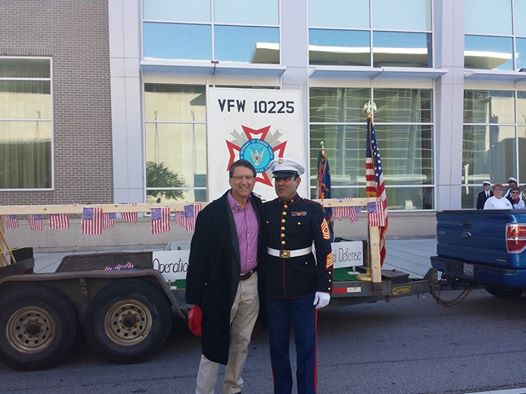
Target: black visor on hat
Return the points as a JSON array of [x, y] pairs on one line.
[[284, 174]]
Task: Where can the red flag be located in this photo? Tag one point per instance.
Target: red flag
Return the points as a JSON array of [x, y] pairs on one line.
[[35, 222], [58, 221], [375, 186], [160, 220], [92, 221]]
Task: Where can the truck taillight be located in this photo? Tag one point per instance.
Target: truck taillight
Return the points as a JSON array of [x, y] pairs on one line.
[[515, 238]]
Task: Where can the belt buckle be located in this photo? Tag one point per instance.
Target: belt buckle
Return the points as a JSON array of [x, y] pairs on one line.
[[284, 254]]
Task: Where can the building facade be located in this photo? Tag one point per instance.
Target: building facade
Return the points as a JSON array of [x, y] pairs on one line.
[[120, 110]]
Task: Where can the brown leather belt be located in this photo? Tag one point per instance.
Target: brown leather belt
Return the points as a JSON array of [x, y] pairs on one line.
[[247, 275]]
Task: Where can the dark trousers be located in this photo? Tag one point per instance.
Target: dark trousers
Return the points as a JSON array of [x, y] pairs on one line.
[[300, 314]]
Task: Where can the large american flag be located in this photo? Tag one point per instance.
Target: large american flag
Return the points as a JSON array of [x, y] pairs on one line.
[[160, 220], [375, 186], [58, 221], [35, 222], [91, 221]]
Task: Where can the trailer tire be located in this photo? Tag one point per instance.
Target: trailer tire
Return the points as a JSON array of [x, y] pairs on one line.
[[503, 292], [128, 321], [39, 327]]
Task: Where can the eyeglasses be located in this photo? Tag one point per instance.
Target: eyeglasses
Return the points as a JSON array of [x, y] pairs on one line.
[[245, 177], [498, 190], [514, 192]]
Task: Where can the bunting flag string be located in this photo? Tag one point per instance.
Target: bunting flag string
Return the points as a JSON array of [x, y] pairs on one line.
[[58, 221]]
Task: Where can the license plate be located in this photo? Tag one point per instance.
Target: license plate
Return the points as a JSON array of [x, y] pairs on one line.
[[468, 269]]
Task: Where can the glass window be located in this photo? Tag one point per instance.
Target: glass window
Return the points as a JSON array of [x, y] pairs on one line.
[[339, 47], [403, 105], [353, 14], [25, 124], [487, 17], [488, 153], [521, 108], [519, 10], [522, 151], [406, 144], [247, 44], [488, 106], [402, 14], [402, 49], [177, 41], [177, 10], [184, 103], [253, 12], [489, 53], [520, 47], [175, 142], [337, 104]]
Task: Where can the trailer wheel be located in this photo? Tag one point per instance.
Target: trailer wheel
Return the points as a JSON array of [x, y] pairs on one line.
[[128, 321], [504, 292], [38, 326]]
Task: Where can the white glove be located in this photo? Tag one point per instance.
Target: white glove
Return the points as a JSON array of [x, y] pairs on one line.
[[321, 299]]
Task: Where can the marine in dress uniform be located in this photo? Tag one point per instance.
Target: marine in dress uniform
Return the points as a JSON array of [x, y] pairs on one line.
[[296, 283], [484, 194]]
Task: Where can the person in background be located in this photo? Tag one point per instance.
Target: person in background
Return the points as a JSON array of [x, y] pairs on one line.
[[222, 279], [512, 182], [497, 201], [296, 283], [484, 194], [516, 201]]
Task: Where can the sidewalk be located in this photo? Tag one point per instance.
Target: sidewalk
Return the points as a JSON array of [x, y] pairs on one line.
[[409, 255]]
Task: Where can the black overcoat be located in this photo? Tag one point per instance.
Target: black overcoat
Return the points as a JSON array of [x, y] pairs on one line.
[[213, 274]]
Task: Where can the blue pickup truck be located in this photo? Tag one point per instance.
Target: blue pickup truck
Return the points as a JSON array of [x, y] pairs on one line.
[[483, 247]]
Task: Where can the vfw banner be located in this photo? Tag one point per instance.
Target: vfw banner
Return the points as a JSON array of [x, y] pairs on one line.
[[257, 125]]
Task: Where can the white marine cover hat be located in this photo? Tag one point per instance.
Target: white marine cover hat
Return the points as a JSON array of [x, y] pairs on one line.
[[284, 168], [512, 179], [486, 183]]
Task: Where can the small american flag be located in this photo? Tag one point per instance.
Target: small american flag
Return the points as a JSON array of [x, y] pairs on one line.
[[12, 222], [190, 214], [160, 220], [108, 221], [347, 212], [35, 222], [180, 220], [130, 217], [92, 221], [58, 221], [376, 216]]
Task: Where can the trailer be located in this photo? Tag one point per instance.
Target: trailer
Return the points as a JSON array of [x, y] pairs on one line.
[[125, 302]]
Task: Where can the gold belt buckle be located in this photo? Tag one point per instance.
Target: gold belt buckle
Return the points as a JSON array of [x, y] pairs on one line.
[[284, 254]]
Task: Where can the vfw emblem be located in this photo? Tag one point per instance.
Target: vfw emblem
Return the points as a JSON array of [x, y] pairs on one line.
[[259, 147]]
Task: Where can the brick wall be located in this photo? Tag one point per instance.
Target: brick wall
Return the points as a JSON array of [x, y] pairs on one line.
[[74, 33]]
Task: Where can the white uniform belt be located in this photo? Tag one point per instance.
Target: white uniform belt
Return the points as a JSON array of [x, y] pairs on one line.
[[287, 254]]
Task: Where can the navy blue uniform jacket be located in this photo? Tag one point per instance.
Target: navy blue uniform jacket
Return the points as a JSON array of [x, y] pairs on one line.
[[296, 225]]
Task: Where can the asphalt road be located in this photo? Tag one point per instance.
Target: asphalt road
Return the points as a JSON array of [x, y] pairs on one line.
[[410, 345]]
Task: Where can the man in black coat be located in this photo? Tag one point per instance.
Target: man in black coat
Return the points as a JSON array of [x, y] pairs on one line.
[[222, 278], [484, 194]]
